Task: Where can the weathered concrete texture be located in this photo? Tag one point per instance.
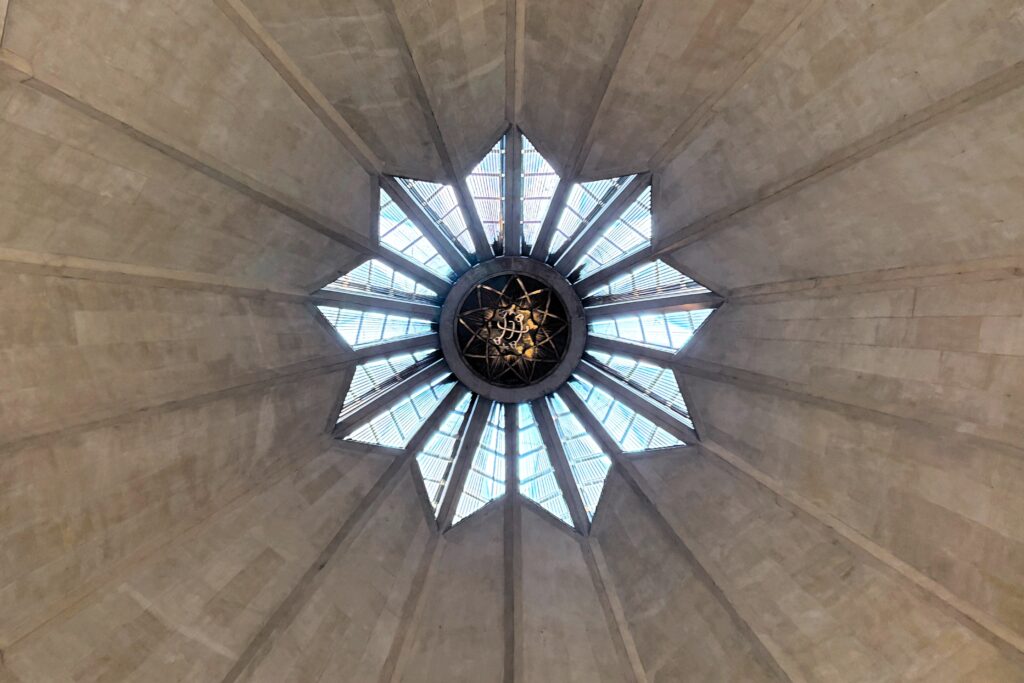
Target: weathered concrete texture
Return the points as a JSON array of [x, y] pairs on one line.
[[73, 351], [72, 186], [946, 195], [188, 610], [570, 49], [835, 613], [847, 71], [461, 637], [345, 630], [353, 53], [564, 632], [917, 441], [680, 57], [76, 509], [459, 51], [218, 96], [682, 631]]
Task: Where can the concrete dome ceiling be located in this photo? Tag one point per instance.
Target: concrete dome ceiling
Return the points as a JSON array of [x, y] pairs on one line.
[[180, 177]]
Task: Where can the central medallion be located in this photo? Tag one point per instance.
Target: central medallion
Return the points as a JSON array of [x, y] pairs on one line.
[[512, 329]]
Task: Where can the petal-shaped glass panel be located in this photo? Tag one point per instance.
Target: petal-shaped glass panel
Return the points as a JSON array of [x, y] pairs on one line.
[[437, 458], [647, 280], [377, 277], [398, 232], [630, 430], [376, 375], [366, 328], [627, 235], [396, 425], [668, 331], [539, 183], [441, 203], [653, 380], [588, 463], [537, 479], [582, 203], [487, 187], [486, 478]]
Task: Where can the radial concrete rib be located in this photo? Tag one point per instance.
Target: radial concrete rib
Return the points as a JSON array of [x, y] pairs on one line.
[[16, 68], [515, 39], [765, 47], [989, 629], [388, 398], [445, 246], [407, 345], [621, 392], [907, 127], [514, 193], [603, 276], [623, 348], [563, 473], [608, 214], [663, 304], [373, 302], [615, 616], [512, 561], [412, 613], [250, 27], [542, 247], [475, 424], [248, 383], [581, 148], [291, 606], [704, 567]]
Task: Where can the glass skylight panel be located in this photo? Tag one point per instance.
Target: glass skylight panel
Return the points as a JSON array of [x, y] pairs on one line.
[[395, 426], [668, 331], [653, 380], [374, 376], [486, 478], [630, 430], [398, 232], [441, 203], [376, 277], [630, 233], [437, 458], [539, 183], [536, 475], [365, 328], [581, 203], [588, 463], [648, 280], [487, 187]]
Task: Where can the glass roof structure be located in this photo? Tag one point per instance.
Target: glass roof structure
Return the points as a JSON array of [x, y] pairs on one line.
[[623, 400]]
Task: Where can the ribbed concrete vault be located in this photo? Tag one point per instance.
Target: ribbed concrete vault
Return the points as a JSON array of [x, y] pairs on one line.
[[177, 180]]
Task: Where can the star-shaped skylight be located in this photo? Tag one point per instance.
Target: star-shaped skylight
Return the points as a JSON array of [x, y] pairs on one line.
[[623, 399]]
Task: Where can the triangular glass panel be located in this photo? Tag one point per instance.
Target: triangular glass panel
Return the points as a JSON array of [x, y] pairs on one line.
[[437, 458], [630, 430], [378, 278], [630, 233], [537, 479], [668, 331], [396, 425], [441, 203], [379, 374], [582, 203], [539, 181], [398, 232], [645, 281], [366, 328], [588, 463], [647, 378], [487, 188], [486, 478]]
